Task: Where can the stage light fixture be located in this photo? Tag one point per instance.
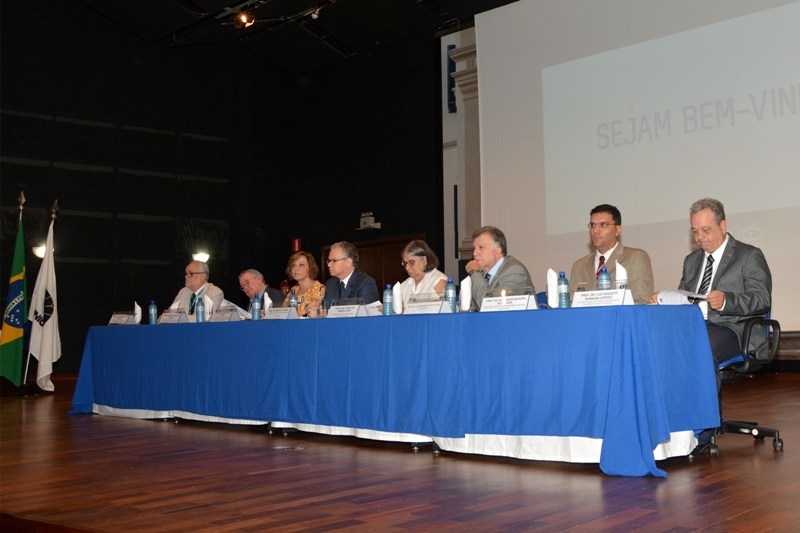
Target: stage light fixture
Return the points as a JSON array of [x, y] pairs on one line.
[[244, 20]]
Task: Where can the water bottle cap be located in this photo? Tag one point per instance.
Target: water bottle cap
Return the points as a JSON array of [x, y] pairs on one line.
[[152, 301], [603, 269], [449, 280], [562, 274], [388, 285]]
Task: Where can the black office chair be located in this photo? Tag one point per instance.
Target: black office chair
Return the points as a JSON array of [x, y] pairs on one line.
[[742, 366]]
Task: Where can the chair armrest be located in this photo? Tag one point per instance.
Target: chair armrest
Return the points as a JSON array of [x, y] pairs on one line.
[[773, 333]]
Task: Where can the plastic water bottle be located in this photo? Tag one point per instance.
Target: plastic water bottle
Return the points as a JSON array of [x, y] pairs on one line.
[[604, 279], [255, 308], [563, 291], [450, 295], [200, 310], [388, 301], [152, 312], [292, 299]]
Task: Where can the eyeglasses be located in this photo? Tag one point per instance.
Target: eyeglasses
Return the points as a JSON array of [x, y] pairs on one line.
[[245, 284], [410, 262], [329, 261], [188, 274], [601, 225]]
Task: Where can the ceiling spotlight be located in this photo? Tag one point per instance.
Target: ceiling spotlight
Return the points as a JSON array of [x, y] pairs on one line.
[[203, 257], [244, 20]]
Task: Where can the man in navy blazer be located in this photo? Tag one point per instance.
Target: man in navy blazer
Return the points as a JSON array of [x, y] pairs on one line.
[[346, 280], [492, 267]]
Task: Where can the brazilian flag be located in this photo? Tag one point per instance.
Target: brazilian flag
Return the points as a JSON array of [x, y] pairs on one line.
[[14, 317]]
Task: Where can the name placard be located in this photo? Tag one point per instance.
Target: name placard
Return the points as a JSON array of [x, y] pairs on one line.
[[173, 317], [281, 313], [122, 318], [427, 308], [601, 298], [225, 314], [346, 311], [518, 302]]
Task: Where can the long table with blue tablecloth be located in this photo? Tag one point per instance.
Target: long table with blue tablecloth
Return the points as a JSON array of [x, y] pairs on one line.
[[629, 375]]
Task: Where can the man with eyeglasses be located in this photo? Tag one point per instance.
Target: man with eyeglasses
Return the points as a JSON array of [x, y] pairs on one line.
[[605, 228], [492, 268], [347, 280], [252, 283], [197, 286]]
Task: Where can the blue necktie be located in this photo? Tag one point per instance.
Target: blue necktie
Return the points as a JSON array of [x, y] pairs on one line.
[[487, 276], [341, 287]]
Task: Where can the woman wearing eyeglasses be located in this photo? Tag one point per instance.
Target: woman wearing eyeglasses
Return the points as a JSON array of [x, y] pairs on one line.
[[303, 269], [423, 275]]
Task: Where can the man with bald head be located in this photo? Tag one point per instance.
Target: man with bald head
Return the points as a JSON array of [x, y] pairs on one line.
[[196, 275]]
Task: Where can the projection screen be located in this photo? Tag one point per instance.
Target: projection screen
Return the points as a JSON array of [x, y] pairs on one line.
[[647, 105]]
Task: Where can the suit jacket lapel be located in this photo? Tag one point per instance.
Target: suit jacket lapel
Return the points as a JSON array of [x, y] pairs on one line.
[[730, 249]]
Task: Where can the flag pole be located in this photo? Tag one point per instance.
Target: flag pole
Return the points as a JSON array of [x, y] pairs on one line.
[[21, 200]]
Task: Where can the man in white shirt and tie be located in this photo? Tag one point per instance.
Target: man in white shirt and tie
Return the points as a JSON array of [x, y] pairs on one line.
[[605, 228], [197, 285]]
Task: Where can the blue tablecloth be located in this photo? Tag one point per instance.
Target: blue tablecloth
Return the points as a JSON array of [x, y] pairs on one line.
[[629, 375]]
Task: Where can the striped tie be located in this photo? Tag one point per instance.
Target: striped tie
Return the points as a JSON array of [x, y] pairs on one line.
[[704, 286], [599, 266], [192, 302]]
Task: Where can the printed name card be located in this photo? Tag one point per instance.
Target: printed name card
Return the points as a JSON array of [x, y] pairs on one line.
[[172, 317], [122, 318], [427, 308], [518, 302], [346, 311], [225, 314], [601, 298], [281, 312]]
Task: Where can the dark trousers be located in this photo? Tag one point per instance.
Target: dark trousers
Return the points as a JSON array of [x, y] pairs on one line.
[[724, 345]]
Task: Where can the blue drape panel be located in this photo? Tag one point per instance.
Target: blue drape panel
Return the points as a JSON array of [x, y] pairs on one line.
[[629, 375]]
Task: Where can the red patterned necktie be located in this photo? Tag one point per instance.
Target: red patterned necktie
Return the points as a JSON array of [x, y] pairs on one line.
[[599, 266]]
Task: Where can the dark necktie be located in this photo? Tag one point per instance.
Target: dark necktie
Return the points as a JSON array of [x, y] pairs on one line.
[[599, 266], [706, 283], [192, 302], [341, 289], [487, 277]]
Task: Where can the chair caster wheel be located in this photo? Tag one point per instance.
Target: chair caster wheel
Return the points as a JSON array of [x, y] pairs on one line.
[[777, 444], [713, 450]]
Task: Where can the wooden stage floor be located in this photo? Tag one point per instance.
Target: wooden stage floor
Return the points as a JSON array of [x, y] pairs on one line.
[[98, 473]]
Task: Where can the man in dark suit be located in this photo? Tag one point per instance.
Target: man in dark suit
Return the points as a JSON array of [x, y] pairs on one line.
[[492, 267], [736, 279], [346, 280], [252, 283]]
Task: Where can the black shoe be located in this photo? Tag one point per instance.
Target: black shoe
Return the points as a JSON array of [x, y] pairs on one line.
[[703, 443]]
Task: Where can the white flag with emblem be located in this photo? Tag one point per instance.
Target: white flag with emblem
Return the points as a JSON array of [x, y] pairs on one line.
[[45, 340]]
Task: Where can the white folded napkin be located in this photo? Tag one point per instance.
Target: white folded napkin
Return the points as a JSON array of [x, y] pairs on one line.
[[466, 293], [137, 313], [209, 303], [552, 288], [397, 299], [621, 277]]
